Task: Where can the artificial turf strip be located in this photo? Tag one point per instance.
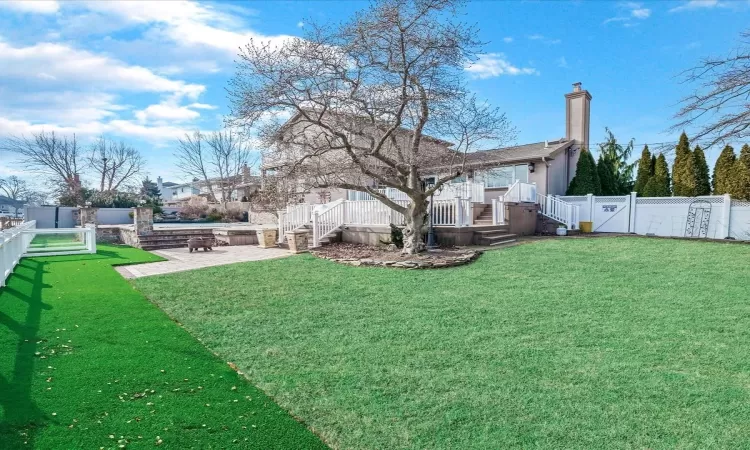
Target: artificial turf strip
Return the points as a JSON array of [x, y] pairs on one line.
[[87, 362], [578, 343]]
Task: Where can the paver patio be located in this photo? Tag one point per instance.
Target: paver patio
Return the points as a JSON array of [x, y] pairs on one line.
[[180, 259]]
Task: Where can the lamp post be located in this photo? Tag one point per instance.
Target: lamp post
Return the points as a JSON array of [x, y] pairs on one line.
[[431, 244]]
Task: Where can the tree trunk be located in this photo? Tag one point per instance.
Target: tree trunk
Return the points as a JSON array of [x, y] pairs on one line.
[[416, 215]]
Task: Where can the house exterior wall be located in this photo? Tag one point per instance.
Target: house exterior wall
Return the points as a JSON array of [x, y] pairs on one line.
[[557, 181]]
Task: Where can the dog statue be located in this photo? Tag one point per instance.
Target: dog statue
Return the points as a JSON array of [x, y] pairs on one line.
[[198, 243]]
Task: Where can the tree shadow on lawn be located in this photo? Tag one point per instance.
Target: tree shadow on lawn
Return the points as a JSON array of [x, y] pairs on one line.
[[21, 414]]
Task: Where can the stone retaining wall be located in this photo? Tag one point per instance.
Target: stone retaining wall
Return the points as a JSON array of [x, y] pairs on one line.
[[443, 262]]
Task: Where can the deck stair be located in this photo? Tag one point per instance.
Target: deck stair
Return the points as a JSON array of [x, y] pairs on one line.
[[177, 238], [494, 235]]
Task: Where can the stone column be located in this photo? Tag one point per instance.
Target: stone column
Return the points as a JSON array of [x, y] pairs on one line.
[[266, 237], [297, 240], [88, 215], [143, 218]]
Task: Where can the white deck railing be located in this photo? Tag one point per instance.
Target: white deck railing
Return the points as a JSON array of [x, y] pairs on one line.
[[456, 212], [520, 192], [559, 210], [465, 190], [13, 245], [372, 212], [18, 242]]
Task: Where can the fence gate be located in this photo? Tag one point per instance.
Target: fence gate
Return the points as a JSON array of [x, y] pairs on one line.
[[611, 214]]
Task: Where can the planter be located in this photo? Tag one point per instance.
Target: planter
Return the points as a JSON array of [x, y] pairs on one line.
[[586, 227], [562, 231], [267, 237], [297, 241]]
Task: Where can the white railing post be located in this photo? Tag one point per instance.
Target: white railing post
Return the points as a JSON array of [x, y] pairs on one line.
[[316, 232], [91, 238], [726, 216], [458, 211], [494, 211], [590, 200]]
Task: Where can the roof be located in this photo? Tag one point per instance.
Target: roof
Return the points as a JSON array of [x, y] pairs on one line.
[[526, 152], [169, 184]]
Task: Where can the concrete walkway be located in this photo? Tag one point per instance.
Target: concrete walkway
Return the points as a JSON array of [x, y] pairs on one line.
[[179, 259]]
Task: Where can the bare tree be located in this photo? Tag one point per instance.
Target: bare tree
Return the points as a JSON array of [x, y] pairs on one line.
[[115, 164], [57, 158], [217, 159], [18, 191], [719, 107], [374, 102]]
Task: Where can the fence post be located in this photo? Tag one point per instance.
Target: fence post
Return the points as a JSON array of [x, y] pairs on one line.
[[726, 216], [633, 202], [459, 212], [590, 200], [316, 233], [494, 211], [91, 230], [281, 214], [3, 257]]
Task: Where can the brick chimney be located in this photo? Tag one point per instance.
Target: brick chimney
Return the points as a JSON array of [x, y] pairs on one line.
[[577, 120], [578, 115]]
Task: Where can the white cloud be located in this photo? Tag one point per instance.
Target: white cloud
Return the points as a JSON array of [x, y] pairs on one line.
[[166, 111], [300, 24], [542, 38], [494, 65], [186, 23], [66, 65], [202, 106], [60, 107], [641, 13], [562, 62], [508, 39], [628, 12], [29, 6], [698, 4]]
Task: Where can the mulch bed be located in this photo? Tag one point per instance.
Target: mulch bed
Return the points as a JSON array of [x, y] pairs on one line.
[[366, 255]]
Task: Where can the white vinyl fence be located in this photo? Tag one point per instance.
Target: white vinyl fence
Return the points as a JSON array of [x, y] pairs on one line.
[[28, 240], [715, 217]]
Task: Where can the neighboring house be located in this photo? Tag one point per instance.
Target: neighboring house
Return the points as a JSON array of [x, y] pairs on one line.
[[551, 165], [174, 193]]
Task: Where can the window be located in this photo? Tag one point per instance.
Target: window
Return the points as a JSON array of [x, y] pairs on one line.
[[500, 177]]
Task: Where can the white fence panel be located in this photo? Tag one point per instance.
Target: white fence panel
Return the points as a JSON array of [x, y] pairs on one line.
[[667, 216], [739, 221], [584, 205]]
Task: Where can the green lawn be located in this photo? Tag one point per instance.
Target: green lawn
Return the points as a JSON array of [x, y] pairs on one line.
[[579, 343], [87, 362]]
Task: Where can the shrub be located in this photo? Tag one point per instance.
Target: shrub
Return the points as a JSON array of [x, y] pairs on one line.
[[723, 171], [397, 236], [702, 175], [683, 169], [645, 170], [196, 207]]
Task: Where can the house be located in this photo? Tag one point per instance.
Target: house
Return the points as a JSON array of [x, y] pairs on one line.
[[174, 193], [550, 165]]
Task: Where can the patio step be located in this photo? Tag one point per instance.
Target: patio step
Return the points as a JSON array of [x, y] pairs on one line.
[[171, 238], [494, 237]]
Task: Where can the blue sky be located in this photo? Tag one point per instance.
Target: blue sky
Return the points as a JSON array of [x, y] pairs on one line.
[[147, 72]]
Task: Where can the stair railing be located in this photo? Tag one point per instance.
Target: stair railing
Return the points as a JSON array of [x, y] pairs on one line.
[[326, 222], [559, 210]]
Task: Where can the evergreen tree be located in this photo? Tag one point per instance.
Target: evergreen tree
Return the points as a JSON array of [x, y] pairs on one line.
[[606, 177], [653, 165], [702, 174], [739, 182], [723, 171], [658, 184], [586, 180], [683, 170], [617, 156], [645, 170]]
